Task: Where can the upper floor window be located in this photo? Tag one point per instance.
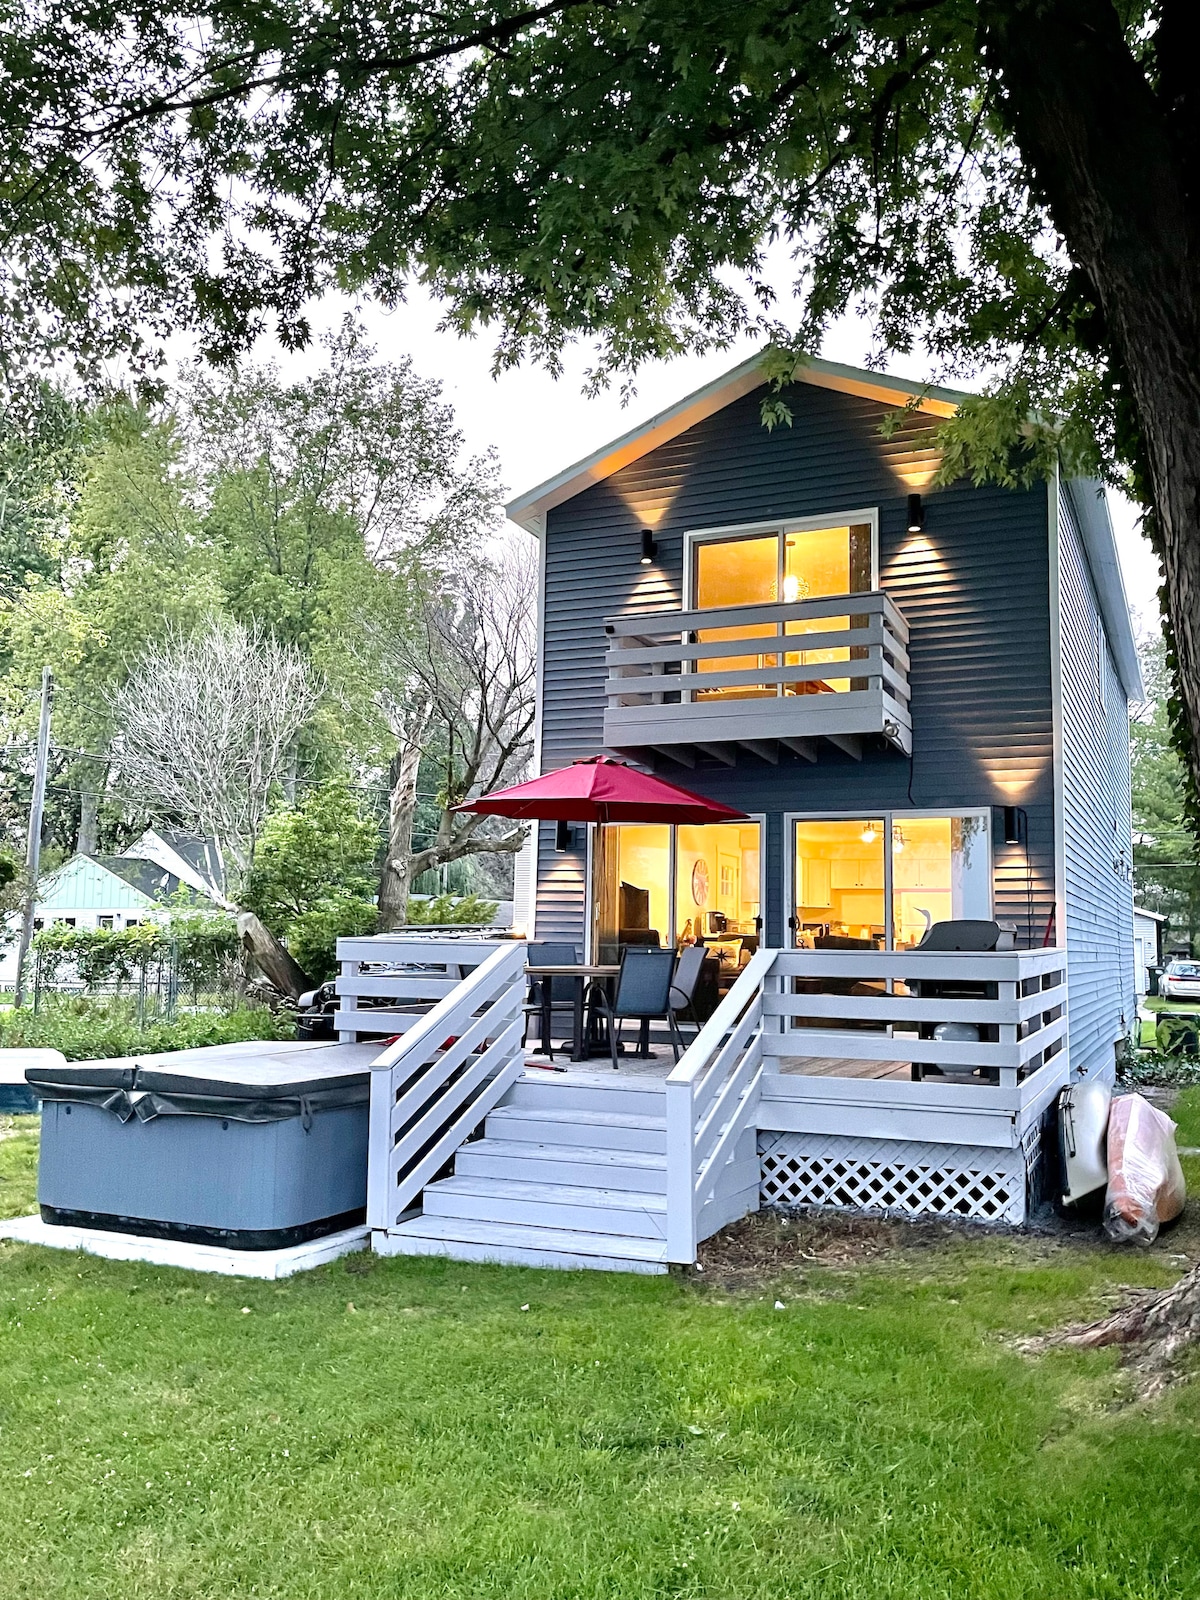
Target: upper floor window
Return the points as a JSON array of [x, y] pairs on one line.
[[790, 563]]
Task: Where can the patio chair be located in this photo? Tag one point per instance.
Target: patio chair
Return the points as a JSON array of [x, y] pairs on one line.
[[643, 996], [540, 1001], [688, 969]]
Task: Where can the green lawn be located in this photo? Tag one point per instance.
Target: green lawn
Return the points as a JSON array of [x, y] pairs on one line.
[[428, 1429]]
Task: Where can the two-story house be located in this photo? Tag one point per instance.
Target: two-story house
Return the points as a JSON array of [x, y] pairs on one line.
[[917, 698]]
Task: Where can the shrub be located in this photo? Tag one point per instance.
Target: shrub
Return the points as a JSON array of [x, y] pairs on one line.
[[313, 936], [86, 1030], [468, 909]]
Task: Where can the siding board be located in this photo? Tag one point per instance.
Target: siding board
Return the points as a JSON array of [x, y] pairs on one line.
[[1097, 827]]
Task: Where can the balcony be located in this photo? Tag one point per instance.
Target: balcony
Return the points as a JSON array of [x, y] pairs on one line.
[[708, 682]]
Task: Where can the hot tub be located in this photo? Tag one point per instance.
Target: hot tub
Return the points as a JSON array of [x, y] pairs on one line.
[[17, 1095], [255, 1146]]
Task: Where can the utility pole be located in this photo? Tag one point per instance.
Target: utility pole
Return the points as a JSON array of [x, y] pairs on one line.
[[33, 852]]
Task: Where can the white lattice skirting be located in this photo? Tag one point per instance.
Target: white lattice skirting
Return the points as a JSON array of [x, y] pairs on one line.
[[889, 1175]]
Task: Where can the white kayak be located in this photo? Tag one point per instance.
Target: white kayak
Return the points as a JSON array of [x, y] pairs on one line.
[[1082, 1138]]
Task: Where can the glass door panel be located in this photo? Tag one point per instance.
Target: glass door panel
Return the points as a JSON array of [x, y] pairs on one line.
[[819, 562], [716, 883], [631, 887], [941, 872], [839, 896], [736, 572]]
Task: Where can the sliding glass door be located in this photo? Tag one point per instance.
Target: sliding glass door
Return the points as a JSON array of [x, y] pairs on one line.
[[675, 886], [879, 882]]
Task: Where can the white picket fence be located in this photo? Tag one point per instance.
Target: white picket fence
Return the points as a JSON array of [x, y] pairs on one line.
[[433, 1087]]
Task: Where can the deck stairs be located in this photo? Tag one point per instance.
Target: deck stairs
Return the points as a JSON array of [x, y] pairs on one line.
[[571, 1171]]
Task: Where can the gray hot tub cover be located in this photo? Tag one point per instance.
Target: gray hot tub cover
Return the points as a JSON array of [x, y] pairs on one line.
[[245, 1090]]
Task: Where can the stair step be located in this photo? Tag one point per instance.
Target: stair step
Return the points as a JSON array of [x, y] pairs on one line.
[[609, 1130], [520, 1246], [579, 1165], [590, 1091], [549, 1205]]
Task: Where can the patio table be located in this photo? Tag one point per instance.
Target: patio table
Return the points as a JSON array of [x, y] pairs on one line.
[[579, 973]]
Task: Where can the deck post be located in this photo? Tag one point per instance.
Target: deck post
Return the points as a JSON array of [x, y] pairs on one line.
[[681, 1177]]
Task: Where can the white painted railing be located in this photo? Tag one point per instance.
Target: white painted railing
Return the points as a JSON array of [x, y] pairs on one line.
[[681, 676], [399, 976], [900, 994], [791, 1010], [711, 1099], [433, 1087]]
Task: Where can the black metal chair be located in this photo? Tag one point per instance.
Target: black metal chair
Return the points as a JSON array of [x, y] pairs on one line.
[[643, 995], [540, 1001], [684, 984]]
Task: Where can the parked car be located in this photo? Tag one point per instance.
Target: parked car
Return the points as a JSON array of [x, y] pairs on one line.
[[1181, 981]]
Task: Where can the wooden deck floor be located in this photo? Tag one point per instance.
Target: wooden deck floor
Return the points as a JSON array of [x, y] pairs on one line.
[[660, 1063], [842, 1067]]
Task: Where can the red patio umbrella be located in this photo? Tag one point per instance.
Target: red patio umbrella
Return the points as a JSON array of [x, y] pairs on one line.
[[601, 790]]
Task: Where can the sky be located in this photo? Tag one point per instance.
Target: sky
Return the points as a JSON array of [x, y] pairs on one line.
[[539, 424]]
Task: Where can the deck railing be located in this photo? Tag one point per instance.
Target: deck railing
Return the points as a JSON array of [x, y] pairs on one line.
[[434, 1086], [711, 1098], [399, 976], [746, 673], [862, 1008]]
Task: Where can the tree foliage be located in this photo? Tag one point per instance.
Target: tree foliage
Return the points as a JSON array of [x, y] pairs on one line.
[[1165, 848]]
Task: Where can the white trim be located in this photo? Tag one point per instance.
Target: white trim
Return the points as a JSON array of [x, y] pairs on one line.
[[1053, 490], [1088, 502], [889, 818], [781, 526]]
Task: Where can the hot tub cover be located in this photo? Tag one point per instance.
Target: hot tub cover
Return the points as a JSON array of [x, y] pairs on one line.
[[254, 1081]]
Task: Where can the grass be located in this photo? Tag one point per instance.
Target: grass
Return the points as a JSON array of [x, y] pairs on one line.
[[425, 1429]]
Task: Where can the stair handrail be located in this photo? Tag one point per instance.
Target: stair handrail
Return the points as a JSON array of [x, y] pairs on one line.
[[719, 1069], [426, 1099]]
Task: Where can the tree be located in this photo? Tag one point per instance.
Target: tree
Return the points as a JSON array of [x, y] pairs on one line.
[[452, 675], [1011, 183], [1165, 848], [205, 723], [314, 874]]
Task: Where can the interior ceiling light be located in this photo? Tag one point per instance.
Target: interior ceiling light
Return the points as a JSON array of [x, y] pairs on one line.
[[869, 834]]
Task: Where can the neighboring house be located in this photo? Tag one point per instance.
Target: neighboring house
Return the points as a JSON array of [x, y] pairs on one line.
[[194, 862], [1148, 931], [919, 697], [97, 892]]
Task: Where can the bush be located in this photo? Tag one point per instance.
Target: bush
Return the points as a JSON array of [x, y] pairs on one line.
[[206, 947], [467, 909], [312, 937], [86, 1030]]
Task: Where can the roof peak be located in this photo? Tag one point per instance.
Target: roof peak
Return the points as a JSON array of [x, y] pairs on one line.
[[529, 509]]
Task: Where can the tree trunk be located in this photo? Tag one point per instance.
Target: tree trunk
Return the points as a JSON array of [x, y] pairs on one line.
[[1118, 165], [276, 965], [395, 883], [87, 840], [1155, 1331]]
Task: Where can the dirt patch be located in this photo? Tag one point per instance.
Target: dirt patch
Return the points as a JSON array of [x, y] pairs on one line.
[[771, 1242]]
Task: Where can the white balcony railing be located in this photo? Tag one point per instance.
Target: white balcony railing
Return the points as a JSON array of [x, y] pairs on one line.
[[781, 673]]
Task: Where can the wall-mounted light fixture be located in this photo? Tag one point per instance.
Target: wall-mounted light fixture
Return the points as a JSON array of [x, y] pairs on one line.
[[564, 837], [916, 514], [1012, 824], [649, 548]]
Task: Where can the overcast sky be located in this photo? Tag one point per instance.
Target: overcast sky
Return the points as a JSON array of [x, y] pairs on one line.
[[538, 424]]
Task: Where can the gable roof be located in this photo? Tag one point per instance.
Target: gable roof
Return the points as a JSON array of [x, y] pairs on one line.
[[1090, 505], [88, 883], [147, 877], [529, 509], [194, 861]]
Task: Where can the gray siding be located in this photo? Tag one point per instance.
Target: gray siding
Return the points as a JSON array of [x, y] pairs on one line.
[[974, 587], [1097, 842]]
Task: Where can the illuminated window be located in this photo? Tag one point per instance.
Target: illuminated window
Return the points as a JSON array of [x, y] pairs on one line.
[[789, 566]]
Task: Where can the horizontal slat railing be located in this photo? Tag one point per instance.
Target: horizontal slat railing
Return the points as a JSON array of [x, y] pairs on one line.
[[710, 1101], [664, 677], [404, 973], [433, 1087], [1023, 1008]]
